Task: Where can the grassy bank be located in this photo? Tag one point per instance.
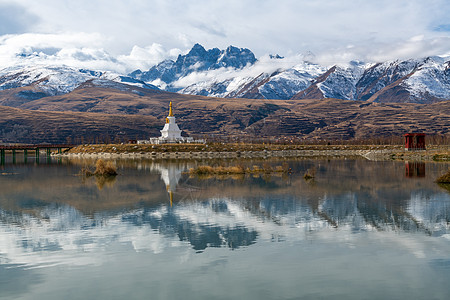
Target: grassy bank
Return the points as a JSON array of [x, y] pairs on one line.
[[218, 147]]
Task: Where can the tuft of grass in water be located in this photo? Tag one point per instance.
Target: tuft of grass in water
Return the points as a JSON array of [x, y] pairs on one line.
[[444, 179], [105, 169], [102, 168], [310, 174]]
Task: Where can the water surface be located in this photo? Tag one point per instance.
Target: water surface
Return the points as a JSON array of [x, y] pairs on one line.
[[359, 230]]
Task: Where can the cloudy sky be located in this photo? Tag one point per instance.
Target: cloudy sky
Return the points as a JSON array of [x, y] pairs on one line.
[[140, 33]]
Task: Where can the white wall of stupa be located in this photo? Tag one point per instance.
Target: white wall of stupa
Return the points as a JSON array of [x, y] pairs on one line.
[[171, 133]]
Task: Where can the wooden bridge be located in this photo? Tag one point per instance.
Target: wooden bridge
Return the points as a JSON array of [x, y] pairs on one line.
[[34, 148]]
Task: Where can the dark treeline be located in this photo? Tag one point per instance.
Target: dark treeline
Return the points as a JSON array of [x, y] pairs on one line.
[[391, 140], [118, 138]]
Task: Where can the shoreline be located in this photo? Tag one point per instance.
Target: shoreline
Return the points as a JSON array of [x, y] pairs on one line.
[[235, 151]]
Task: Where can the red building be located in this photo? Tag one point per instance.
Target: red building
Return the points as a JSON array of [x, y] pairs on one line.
[[414, 141]]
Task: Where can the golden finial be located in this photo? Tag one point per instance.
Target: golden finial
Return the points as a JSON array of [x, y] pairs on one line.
[[170, 109]]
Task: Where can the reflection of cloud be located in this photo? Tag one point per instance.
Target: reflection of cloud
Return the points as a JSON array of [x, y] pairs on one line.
[[16, 281], [217, 222]]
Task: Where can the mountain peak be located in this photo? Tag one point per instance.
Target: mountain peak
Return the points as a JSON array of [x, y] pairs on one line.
[[198, 59], [197, 50]]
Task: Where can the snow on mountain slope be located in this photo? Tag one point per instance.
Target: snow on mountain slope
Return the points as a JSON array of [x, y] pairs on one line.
[[207, 88], [127, 80], [59, 80], [287, 83], [247, 87], [416, 80], [432, 78], [233, 87], [341, 83], [419, 80], [280, 84], [379, 76], [52, 80]]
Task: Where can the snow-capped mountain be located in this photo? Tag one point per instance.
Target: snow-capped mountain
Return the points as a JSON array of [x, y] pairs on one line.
[[236, 73], [418, 81], [280, 84], [197, 60], [51, 80], [58, 80]]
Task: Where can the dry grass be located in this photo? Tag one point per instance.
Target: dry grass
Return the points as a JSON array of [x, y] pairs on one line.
[[445, 179], [102, 168], [105, 169], [233, 170], [310, 174], [208, 170]]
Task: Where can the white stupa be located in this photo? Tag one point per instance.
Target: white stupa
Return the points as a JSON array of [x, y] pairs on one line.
[[171, 132]]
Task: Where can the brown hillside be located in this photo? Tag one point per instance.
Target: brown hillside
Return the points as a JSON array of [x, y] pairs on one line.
[[102, 112], [25, 126]]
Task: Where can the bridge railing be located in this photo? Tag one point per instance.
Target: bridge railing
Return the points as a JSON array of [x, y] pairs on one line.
[[33, 147], [37, 148]]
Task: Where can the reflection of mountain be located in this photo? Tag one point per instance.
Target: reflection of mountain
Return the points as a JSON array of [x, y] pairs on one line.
[[348, 196], [173, 223]]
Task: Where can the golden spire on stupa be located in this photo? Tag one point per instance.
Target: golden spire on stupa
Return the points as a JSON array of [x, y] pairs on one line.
[[170, 109]]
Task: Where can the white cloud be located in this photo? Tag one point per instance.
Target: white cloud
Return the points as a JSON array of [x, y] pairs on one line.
[[71, 49], [264, 65], [138, 32], [145, 57], [415, 47]]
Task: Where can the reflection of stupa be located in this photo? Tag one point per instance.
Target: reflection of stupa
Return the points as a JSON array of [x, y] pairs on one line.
[[171, 133], [170, 174]]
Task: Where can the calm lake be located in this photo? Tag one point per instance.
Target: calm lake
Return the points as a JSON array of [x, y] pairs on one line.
[[358, 230]]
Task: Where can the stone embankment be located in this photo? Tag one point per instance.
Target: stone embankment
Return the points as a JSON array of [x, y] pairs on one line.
[[211, 154], [251, 151]]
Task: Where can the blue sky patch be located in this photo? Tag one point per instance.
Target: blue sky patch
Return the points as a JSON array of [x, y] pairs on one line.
[[442, 28]]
